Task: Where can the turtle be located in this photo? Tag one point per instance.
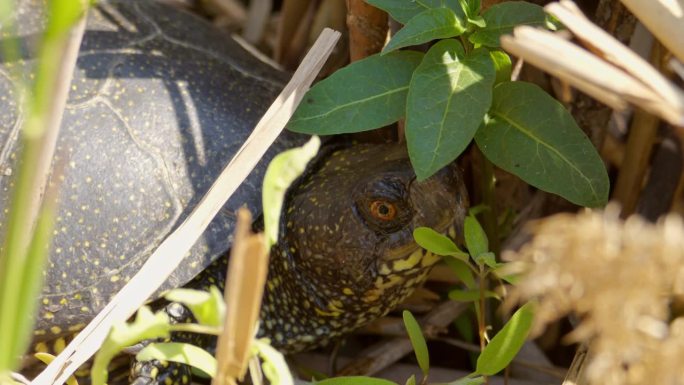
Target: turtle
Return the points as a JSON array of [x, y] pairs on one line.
[[159, 103]]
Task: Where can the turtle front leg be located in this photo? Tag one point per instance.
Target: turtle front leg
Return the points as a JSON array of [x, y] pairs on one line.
[[156, 372]]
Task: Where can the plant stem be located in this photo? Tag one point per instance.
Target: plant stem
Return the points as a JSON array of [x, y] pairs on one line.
[[482, 325], [485, 195]]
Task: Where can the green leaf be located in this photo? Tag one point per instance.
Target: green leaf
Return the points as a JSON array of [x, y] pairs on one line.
[[447, 100], [179, 352], [462, 270], [467, 381], [506, 343], [364, 95], [437, 243], [411, 380], [471, 8], [403, 10], [477, 21], [418, 341], [273, 363], [145, 326], [475, 237], [471, 295], [503, 17], [355, 380], [281, 172], [510, 272], [488, 259], [400, 10], [431, 24], [208, 307], [503, 65], [533, 136]]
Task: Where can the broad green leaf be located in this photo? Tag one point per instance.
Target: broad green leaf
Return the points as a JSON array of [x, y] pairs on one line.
[[449, 95], [503, 65], [533, 136], [471, 8], [355, 380], [503, 17], [431, 24], [404, 10], [477, 21], [208, 307], [145, 326], [462, 270], [417, 340], [364, 95], [281, 172], [437, 243], [179, 352], [400, 10], [506, 343], [410, 381], [273, 363], [475, 237], [471, 295]]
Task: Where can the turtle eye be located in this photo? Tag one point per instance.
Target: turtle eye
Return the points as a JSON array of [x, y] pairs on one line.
[[383, 210]]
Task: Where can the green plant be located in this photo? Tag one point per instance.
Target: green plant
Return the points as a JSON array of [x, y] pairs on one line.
[[209, 308], [28, 224], [479, 263], [460, 90]]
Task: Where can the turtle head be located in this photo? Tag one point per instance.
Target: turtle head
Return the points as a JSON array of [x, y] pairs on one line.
[[348, 230]]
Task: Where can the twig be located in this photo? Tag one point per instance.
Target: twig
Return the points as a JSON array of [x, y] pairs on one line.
[[171, 251]]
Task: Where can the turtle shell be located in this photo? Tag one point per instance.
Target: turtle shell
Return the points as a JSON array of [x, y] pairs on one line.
[[159, 103]]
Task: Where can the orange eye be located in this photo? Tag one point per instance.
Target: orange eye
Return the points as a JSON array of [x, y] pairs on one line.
[[383, 210]]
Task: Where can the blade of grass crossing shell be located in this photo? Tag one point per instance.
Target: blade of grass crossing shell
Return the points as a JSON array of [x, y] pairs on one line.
[[170, 252]]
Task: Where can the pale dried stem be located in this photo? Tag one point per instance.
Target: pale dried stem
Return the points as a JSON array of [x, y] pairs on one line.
[[171, 251]]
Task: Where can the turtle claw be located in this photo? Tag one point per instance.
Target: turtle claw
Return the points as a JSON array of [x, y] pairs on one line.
[[157, 372]]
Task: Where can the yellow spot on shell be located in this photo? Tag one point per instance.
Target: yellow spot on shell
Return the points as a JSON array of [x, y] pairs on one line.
[[114, 278], [48, 315], [347, 291], [55, 329]]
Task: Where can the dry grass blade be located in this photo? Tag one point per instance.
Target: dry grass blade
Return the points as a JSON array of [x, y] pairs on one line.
[[575, 375], [257, 18], [167, 256], [565, 60], [664, 18], [244, 289], [615, 52], [602, 80]]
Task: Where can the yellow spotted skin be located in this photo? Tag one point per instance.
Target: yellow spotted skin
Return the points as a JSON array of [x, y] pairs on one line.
[[159, 104], [337, 267]]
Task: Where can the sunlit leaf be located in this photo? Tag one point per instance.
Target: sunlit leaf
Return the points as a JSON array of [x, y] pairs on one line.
[[506, 343]]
